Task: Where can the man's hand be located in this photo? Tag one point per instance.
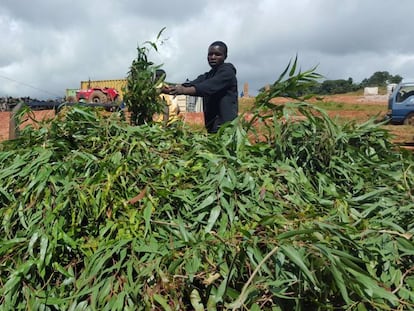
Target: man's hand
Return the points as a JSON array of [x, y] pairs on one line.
[[165, 89], [177, 90]]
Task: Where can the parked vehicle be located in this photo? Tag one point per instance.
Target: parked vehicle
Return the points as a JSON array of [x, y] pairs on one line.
[[98, 95], [8, 103], [401, 104], [117, 84], [186, 103], [108, 96]]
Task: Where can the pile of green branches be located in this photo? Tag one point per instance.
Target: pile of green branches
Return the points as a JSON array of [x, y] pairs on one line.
[[268, 214]]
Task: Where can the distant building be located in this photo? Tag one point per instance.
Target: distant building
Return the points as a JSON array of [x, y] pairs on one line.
[[371, 91]]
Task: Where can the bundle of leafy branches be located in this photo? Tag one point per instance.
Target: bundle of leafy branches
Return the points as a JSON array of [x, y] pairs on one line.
[[268, 214], [141, 94]]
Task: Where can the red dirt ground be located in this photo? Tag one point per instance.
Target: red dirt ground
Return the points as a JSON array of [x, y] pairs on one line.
[[193, 118], [5, 121], [4, 125], [401, 132]]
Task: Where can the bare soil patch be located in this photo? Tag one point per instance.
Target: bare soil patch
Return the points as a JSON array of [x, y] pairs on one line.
[[5, 121], [4, 125]]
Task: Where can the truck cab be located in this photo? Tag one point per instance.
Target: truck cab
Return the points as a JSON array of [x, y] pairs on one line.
[[401, 104]]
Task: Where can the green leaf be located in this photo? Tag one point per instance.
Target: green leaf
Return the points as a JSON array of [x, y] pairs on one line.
[[147, 217], [162, 302], [372, 289], [41, 262], [214, 214], [206, 202], [299, 260], [196, 300]]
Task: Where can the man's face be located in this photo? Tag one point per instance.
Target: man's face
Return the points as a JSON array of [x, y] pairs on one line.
[[216, 56]]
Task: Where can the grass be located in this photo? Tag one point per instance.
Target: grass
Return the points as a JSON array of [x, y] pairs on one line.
[[245, 104], [382, 90], [338, 106]]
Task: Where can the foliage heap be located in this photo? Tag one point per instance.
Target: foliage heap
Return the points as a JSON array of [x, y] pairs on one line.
[[268, 214]]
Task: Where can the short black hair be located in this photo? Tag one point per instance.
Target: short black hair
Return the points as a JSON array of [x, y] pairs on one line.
[[220, 44], [159, 72]]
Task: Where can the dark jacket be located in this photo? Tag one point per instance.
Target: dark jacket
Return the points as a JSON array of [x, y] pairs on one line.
[[218, 87]]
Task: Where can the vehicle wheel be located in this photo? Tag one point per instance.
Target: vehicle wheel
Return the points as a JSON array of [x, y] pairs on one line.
[[71, 99], [98, 97], [409, 120], [115, 104]]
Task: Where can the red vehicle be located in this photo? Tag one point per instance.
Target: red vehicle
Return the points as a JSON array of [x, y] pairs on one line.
[[97, 95]]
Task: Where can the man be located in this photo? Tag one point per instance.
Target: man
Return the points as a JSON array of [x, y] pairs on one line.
[[218, 87]]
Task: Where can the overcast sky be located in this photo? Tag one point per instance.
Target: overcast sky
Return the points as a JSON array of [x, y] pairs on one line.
[[51, 45]]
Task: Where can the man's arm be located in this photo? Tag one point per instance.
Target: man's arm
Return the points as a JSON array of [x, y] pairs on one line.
[[179, 89]]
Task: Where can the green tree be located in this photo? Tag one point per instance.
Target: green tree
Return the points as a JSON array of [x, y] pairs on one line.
[[395, 79], [338, 86], [381, 78]]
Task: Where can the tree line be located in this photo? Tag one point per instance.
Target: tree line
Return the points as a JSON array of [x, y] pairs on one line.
[[341, 86]]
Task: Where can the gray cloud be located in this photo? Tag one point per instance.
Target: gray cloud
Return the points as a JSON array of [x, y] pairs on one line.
[[49, 45]]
